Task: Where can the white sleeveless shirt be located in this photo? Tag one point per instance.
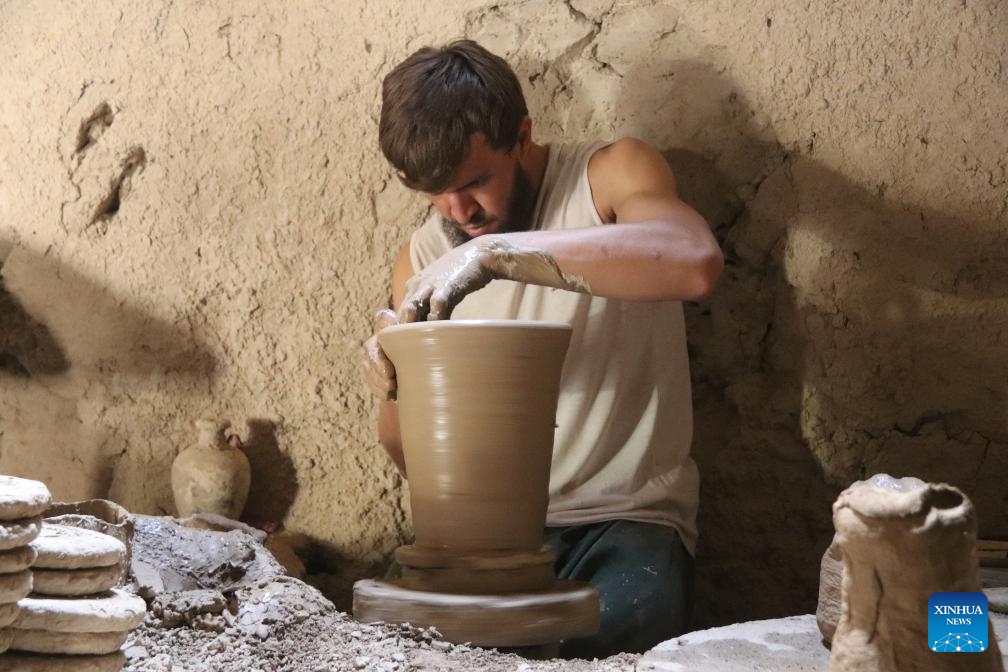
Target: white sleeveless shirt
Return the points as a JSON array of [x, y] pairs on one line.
[[625, 417]]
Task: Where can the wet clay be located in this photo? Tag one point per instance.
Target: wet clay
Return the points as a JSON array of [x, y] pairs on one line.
[[498, 573], [477, 407], [898, 548]]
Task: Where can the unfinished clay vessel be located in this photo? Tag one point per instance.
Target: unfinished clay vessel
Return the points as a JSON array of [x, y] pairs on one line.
[[211, 476], [477, 410], [831, 567], [898, 548]]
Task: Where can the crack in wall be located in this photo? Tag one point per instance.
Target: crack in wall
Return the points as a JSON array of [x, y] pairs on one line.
[[109, 206], [92, 128]]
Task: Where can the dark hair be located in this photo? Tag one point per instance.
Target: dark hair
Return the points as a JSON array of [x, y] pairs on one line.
[[435, 99]]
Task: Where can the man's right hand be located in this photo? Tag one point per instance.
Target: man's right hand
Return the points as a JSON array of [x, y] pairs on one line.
[[379, 373]]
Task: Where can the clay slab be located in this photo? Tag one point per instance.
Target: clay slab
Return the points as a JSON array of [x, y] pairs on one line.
[[117, 611], [17, 559], [13, 587], [41, 641], [22, 498], [74, 582], [35, 662], [15, 533], [65, 547], [8, 613]]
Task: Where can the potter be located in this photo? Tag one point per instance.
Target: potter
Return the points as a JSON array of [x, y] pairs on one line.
[[591, 234]]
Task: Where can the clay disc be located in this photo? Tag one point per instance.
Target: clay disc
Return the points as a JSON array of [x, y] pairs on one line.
[[14, 533], [65, 547], [37, 662], [439, 558], [17, 559], [40, 641], [73, 582], [13, 587], [570, 610], [8, 612], [116, 611], [6, 636], [22, 498]]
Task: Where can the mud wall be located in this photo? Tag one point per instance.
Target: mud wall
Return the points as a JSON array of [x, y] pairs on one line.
[[195, 219]]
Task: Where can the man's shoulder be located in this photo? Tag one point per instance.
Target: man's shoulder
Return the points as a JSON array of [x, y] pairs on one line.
[[621, 151]]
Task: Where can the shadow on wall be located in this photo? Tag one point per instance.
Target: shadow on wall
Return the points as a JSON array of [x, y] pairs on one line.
[[848, 336], [74, 357], [27, 347], [99, 329], [273, 474]]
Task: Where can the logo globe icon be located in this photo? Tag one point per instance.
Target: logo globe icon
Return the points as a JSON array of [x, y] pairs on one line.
[[958, 642]]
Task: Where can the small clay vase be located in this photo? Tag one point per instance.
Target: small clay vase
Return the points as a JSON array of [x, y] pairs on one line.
[[211, 476], [477, 411]]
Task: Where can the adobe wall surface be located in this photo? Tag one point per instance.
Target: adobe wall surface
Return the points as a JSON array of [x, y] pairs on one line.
[[195, 218]]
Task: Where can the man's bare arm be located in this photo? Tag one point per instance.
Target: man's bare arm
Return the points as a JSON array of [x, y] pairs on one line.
[[657, 248]]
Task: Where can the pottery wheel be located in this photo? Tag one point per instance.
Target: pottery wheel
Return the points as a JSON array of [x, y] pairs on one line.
[[478, 573], [569, 609]]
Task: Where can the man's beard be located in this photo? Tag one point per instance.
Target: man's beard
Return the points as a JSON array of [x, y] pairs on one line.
[[521, 205]]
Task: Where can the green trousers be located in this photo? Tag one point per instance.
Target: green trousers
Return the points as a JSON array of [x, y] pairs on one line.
[[644, 576]]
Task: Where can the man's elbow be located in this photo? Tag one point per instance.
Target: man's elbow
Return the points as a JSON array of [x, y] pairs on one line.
[[705, 275]]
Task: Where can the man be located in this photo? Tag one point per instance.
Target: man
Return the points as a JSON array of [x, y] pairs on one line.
[[592, 234]]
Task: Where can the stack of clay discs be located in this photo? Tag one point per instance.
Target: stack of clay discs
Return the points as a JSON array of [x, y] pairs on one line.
[[22, 502], [74, 633], [74, 609]]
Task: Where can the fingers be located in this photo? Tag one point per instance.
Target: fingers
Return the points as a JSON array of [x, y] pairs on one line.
[[384, 318], [442, 303], [416, 306], [378, 371]]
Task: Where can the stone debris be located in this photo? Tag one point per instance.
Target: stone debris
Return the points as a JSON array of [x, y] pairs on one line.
[[194, 608], [169, 557]]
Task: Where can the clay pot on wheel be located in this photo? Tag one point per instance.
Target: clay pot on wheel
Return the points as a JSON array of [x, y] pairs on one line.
[[211, 476], [477, 410]]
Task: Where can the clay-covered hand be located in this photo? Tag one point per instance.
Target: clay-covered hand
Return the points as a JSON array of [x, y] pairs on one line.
[[434, 292], [379, 373]]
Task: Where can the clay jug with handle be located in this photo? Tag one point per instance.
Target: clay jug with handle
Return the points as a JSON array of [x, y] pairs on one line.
[[212, 476]]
